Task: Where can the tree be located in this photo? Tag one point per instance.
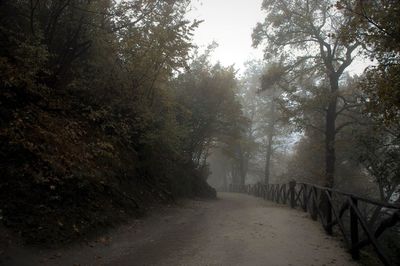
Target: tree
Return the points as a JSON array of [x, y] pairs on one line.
[[209, 109], [250, 145], [90, 115], [305, 35], [272, 114], [265, 133], [379, 34], [306, 162]]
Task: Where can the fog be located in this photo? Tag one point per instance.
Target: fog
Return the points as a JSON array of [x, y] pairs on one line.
[[152, 132]]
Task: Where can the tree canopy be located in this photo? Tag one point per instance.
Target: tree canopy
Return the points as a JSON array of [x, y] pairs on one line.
[[104, 110]]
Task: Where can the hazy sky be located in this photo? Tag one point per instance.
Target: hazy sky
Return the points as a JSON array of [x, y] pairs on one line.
[[229, 23]]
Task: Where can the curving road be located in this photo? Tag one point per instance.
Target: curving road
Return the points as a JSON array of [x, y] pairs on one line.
[[234, 230]]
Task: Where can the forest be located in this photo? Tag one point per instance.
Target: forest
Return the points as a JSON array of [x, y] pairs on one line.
[[108, 107], [311, 119]]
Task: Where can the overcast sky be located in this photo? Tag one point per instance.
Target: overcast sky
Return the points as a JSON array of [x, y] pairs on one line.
[[229, 23]]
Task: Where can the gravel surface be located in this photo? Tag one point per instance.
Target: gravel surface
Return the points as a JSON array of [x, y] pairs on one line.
[[236, 229]]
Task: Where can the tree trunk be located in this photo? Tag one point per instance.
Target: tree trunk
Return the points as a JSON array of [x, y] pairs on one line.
[[242, 169], [270, 136], [235, 175], [330, 133], [225, 182], [268, 157]]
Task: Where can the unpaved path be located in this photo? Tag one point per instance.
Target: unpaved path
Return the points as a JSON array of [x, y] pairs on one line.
[[234, 230]]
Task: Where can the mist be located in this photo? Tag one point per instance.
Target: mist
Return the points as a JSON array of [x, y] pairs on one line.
[[148, 132]]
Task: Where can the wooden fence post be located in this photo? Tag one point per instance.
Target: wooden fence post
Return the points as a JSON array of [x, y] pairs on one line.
[[354, 230], [284, 194], [278, 192], [274, 192], [292, 186], [305, 200], [314, 209], [263, 191], [329, 213]]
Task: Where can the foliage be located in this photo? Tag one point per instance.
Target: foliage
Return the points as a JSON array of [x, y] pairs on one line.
[[379, 34], [379, 153], [305, 163], [210, 110], [102, 112], [304, 39]]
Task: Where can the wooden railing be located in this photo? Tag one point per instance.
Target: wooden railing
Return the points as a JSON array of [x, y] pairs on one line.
[[361, 221]]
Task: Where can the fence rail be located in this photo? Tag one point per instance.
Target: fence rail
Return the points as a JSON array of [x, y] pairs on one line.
[[361, 221]]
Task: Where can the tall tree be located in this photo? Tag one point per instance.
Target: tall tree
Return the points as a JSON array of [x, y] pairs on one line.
[[265, 131], [271, 114], [249, 85], [306, 35], [210, 110], [379, 35]]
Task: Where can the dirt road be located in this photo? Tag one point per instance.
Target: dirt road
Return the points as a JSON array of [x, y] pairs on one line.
[[234, 230]]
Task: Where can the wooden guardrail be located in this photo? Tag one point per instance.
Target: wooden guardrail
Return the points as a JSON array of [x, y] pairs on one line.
[[361, 221]]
